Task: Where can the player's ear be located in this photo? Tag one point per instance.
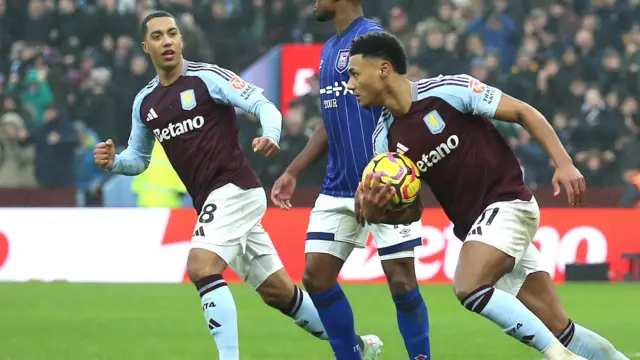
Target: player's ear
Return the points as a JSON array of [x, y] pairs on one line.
[[144, 47], [385, 69]]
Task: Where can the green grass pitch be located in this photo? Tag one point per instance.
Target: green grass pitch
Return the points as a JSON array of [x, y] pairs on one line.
[[164, 322]]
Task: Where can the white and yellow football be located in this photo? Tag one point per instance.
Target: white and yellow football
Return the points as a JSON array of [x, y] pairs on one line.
[[400, 172]]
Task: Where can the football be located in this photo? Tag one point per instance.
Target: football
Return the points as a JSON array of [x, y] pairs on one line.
[[400, 172]]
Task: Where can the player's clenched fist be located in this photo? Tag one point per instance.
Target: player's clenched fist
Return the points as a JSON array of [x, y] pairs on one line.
[[265, 146], [104, 154]]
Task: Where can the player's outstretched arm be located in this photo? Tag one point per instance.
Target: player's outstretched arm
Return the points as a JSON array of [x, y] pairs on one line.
[[271, 121], [136, 157], [513, 110], [226, 87]]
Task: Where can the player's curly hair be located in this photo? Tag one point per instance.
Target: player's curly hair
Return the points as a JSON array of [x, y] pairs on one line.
[[381, 45], [153, 15]]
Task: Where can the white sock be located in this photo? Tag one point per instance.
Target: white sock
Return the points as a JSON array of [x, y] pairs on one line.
[[586, 343], [506, 311], [305, 315], [221, 315]]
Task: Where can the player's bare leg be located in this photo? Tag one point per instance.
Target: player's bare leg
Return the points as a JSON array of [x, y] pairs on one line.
[[320, 279], [413, 319], [479, 267], [321, 272], [539, 295], [279, 292], [205, 271]]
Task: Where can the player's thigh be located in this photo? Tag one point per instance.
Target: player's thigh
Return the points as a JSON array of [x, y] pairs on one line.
[[333, 229], [261, 268], [396, 245], [332, 234], [396, 241], [260, 259], [508, 226], [534, 288], [228, 215], [202, 263], [495, 244]]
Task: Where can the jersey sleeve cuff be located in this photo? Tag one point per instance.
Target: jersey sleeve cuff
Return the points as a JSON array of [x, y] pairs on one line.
[[275, 138], [116, 163]]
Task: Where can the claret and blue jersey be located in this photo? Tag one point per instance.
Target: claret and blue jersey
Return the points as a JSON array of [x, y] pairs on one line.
[[349, 126], [195, 122]]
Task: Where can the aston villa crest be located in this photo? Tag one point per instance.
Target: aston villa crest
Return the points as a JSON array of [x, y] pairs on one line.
[[188, 99], [434, 122]]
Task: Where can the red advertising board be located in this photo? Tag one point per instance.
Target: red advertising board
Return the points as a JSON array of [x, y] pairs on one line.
[[298, 64], [564, 236]]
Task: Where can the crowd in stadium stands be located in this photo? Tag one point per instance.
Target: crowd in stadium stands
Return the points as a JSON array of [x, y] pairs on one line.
[[69, 70]]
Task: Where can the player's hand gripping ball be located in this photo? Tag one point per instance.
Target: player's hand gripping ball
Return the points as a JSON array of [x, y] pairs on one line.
[[400, 172]]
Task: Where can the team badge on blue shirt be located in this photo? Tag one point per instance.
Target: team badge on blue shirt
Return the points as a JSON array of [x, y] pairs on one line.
[[188, 99], [343, 60], [434, 122]]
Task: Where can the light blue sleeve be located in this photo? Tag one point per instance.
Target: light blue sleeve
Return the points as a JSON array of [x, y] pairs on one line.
[[381, 132], [225, 87], [136, 157], [465, 93]]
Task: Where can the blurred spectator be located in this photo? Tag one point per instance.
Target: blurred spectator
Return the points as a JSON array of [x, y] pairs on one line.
[[399, 24], [89, 177], [55, 141], [96, 105], [33, 92], [292, 142], [311, 102], [16, 161], [631, 196], [497, 31]]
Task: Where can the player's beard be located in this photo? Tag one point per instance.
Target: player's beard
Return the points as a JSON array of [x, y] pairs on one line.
[[323, 16]]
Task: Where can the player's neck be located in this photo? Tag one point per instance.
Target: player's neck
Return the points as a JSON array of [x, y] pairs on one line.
[[343, 19], [399, 98], [168, 77]]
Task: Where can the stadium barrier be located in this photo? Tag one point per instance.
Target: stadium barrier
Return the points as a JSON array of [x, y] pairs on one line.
[[151, 245]]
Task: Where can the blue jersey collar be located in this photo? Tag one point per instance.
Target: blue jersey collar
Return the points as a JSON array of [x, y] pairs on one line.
[[350, 27]]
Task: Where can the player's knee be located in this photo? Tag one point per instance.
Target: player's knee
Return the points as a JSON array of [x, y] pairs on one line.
[[201, 263], [197, 272], [400, 275], [321, 272], [401, 285], [464, 290], [316, 282]]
